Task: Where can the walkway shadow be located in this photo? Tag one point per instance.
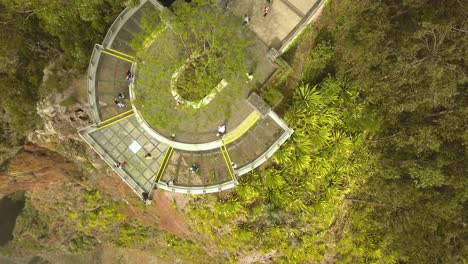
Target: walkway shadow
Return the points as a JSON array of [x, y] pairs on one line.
[[276, 43]]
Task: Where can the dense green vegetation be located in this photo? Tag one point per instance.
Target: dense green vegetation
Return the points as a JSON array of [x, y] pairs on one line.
[[85, 218], [409, 61], [189, 78], [376, 170], [374, 173], [290, 206], [38, 33]]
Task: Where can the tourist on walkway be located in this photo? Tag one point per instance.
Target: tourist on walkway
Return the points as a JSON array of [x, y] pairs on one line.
[[121, 95], [148, 156], [221, 131], [120, 165], [249, 76], [246, 20], [170, 183], [128, 75], [177, 102], [266, 11], [118, 103], [233, 165], [193, 168]]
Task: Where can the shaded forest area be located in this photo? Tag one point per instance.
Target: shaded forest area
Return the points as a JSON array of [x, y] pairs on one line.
[[39, 34], [376, 170], [409, 60]]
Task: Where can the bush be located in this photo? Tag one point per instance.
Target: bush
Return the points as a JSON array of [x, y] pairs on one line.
[[271, 96]]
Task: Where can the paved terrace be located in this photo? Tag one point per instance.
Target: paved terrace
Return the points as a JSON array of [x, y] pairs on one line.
[[120, 134], [284, 21], [122, 139], [112, 142], [107, 67]]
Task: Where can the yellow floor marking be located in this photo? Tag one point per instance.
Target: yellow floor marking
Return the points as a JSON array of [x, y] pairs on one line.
[[122, 58]]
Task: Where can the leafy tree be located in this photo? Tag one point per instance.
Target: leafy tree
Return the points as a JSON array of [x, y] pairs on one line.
[[77, 24], [200, 47]]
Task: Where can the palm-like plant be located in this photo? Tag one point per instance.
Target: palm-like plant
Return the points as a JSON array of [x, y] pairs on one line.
[[283, 155], [307, 95]]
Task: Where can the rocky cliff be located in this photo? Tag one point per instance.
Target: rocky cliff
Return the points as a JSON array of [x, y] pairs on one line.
[[37, 169]]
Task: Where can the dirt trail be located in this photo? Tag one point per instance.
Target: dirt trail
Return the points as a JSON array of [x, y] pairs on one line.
[[169, 218]]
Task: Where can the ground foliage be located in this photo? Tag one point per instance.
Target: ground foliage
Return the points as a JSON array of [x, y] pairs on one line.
[[84, 219], [290, 206]]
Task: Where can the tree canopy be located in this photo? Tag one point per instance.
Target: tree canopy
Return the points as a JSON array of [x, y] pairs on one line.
[[409, 61], [35, 34], [203, 46]]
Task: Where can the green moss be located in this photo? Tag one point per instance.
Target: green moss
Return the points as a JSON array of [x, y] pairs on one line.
[[131, 235], [81, 244], [88, 166]]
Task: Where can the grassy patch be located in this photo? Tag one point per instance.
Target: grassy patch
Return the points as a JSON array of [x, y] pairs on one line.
[[271, 96]]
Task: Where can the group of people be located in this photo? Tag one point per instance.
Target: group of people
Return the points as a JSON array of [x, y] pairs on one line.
[[120, 165], [193, 169], [265, 9], [119, 102], [119, 99]]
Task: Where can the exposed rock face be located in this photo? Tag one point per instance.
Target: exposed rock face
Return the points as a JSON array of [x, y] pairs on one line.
[[60, 121], [35, 168], [63, 114]]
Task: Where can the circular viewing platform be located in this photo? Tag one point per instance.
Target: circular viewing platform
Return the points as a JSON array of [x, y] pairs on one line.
[[188, 151]]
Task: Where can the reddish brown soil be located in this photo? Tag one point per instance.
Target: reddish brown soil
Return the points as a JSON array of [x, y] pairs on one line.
[[169, 218], [37, 169]]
